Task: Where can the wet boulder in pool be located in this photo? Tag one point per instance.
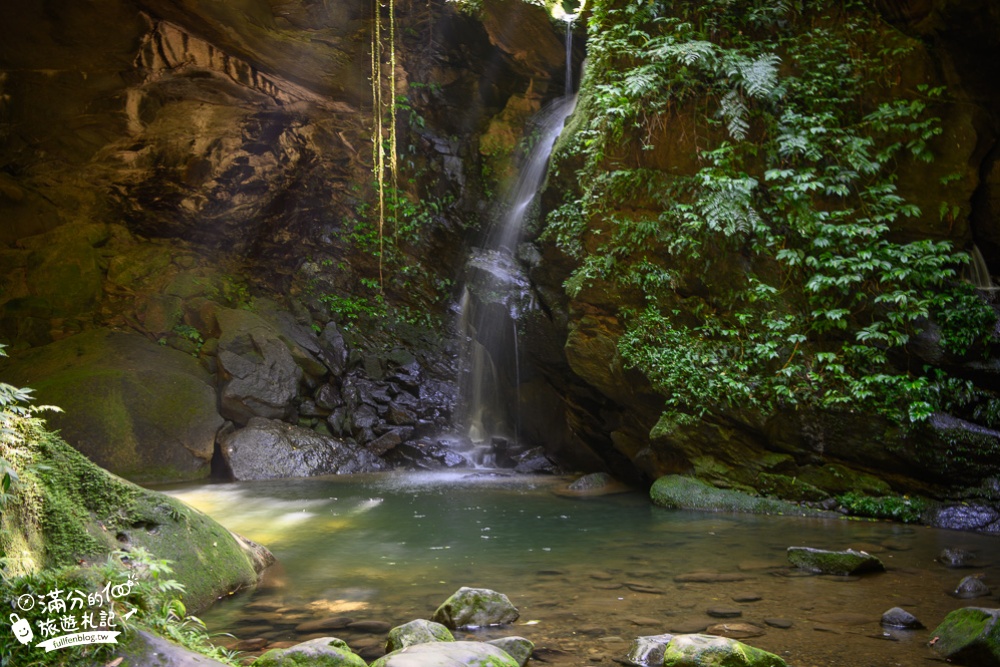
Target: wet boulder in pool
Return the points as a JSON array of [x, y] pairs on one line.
[[420, 631], [897, 617], [321, 652], [447, 654], [971, 587], [475, 608], [969, 636], [518, 648], [954, 557], [841, 563], [647, 651], [712, 651]]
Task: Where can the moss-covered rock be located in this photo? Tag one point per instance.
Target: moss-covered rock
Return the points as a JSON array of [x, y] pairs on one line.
[[834, 562], [140, 410], [711, 651], [447, 654], [475, 608], [419, 631], [72, 511], [320, 652], [969, 636], [678, 492]]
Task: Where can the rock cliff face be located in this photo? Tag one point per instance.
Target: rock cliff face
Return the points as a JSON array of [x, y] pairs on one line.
[[773, 453], [190, 227]]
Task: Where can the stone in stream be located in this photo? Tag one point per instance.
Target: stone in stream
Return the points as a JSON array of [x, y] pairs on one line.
[[516, 647], [452, 654], [834, 562], [647, 651], [780, 623], [690, 650], [971, 587], [709, 577], [954, 557], [724, 612], [969, 636], [900, 618], [321, 652], [475, 608], [420, 631]]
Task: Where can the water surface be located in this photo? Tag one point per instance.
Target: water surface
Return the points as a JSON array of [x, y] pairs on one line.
[[587, 574]]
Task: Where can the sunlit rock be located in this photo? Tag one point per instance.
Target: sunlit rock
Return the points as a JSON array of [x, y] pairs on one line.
[[447, 654], [321, 652], [420, 631], [475, 608]]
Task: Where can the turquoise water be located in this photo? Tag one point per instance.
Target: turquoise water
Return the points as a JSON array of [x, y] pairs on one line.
[[588, 574]]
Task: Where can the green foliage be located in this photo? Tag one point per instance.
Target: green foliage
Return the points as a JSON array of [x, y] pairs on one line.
[[769, 276], [150, 592], [897, 508]]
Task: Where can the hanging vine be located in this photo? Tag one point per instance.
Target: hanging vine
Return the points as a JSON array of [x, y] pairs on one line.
[[384, 166]]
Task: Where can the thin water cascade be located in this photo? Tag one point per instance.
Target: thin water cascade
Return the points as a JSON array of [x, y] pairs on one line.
[[979, 273], [495, 294], [568, 88]]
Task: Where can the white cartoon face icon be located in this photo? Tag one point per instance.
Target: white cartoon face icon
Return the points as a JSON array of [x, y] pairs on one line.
[[21, 628]]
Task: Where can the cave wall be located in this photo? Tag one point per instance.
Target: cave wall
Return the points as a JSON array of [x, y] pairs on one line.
[[164, 165]]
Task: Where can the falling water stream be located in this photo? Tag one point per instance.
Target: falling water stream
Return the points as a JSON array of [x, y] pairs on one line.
[[496, 292]]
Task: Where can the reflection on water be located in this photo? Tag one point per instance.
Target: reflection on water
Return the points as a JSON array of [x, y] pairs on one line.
[[587, 574]]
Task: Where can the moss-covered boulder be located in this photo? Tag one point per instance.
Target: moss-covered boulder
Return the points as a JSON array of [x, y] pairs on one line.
[[475, 608], [678, 492], [320, 652], [420, 631], [140, 410], [845, 562], [447, 654], [70, 511], [516, 647], [969, 636], [711, 651]]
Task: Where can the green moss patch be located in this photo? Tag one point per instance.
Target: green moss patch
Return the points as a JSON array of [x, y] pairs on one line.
[[677, 492]]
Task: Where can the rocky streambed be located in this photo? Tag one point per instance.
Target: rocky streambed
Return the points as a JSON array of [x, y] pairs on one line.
[[588, 575]]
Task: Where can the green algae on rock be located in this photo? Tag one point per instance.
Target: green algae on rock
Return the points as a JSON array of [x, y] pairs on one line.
[[969, 636], [475, 608], [447, 654], [678, 492], [420, 631], [711, 651], [320, 652], [82, 513], [834, 562]]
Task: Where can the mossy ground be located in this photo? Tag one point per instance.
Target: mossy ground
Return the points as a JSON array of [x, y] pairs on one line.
[[677, 492]]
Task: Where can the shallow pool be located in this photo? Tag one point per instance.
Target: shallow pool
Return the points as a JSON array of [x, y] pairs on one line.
[[588, 574]]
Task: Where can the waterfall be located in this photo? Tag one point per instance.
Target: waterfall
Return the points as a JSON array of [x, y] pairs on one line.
[[496, 292], [568, 88], [979, 273]]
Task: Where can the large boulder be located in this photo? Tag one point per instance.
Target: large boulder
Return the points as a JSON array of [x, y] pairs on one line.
[[70, 512], [140, 410], [969, 636], [647, 650], [447, 654], [845, 562], [259, 376], [420, 631], [711, 651], [320, 652], [475, 608], [269, 449]]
